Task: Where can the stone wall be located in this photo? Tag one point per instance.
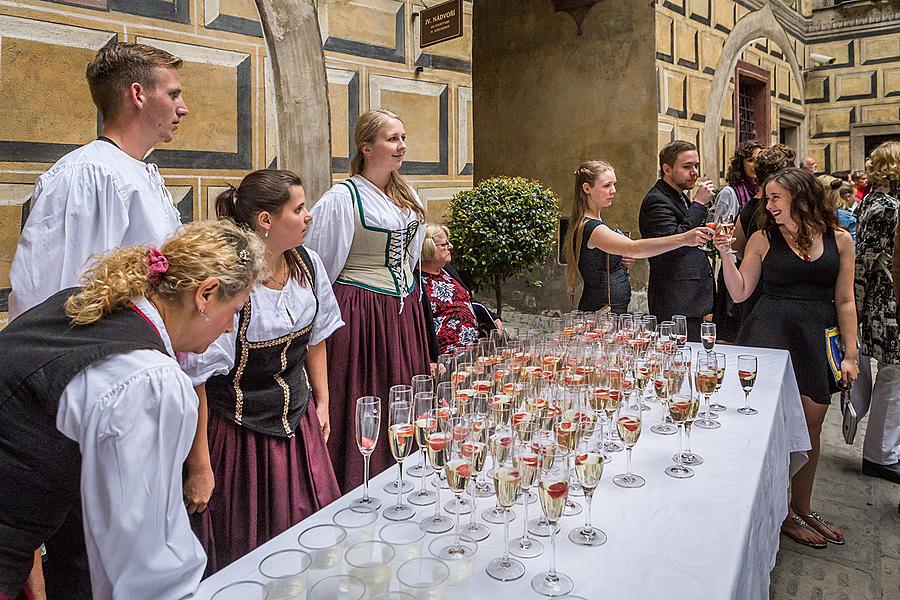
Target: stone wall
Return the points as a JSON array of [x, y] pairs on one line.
[[372, 59]]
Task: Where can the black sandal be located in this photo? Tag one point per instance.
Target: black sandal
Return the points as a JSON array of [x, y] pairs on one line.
[[799, 521]]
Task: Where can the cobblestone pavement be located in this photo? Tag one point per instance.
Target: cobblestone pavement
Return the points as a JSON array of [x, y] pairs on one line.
[[867, 567]]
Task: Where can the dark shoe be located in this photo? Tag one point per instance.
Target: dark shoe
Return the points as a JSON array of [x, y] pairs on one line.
[[889, 472]]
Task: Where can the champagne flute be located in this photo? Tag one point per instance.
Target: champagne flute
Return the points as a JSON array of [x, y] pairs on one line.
[[567, 434], [588, 469], [613, 401], [436, 444], [682, 409], [368, 425], [476, 447], [663, 384], [747, 377], [397, 392], [720, 377], [423, 384], [482, 424], [425, 424], [501, 446], [458, 458], [680, 330], [708, 336], [401, 432], [527, 460], [712, 222], [683, 364], [628, 424], [705, 377], [506, 483], [553, 490]]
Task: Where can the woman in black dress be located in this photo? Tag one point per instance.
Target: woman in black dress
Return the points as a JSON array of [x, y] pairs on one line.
[[804, 262], [602, 255]]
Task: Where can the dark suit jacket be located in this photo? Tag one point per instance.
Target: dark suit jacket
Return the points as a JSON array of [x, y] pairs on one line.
[[681, 281]]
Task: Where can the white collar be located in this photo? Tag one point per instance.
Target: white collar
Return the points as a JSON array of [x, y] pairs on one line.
[[149, 310]]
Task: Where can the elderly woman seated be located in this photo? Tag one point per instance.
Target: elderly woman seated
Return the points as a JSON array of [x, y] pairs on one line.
[[457, 317]]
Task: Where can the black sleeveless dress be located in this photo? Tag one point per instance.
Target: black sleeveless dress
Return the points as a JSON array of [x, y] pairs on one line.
[[602, 287], [795, 309]]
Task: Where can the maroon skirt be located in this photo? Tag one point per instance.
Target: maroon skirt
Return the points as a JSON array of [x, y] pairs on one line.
[[264, 486], [377, 348]]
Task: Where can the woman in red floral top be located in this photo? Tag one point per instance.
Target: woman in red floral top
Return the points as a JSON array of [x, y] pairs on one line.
[[455, 324]]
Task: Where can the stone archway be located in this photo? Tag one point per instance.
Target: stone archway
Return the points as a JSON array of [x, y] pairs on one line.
[[291, 28], [761, 23]]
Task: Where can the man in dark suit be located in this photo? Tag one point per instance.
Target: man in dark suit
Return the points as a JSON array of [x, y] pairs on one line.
[[681, 281]]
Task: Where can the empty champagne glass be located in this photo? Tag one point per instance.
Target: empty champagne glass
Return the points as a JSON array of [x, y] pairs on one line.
[[436, 444], [720, 377], [405, 393], [705, 377], [588, 470], [459, 455], [507, 479], [682, 409], [747, 377], [553, 490], [628, 424], [401, 432], [708, 336], [368, 425]]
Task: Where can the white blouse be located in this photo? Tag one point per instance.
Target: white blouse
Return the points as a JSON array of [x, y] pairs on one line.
[[92, 200], [274, 313], [134, 416], [331, 231]]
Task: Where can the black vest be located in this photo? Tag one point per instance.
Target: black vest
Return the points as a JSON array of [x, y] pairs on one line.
[[267, 390], [40, 468]]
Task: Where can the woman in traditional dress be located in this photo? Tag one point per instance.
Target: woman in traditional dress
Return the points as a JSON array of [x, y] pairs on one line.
[[368, 231], [94, 406], [263, 387], [601, 255], [804, 264]]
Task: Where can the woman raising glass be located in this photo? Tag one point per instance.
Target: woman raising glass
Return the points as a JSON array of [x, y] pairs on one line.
[[601, 255]]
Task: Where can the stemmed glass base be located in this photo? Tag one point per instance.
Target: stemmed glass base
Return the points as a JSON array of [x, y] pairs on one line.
[[421, 498], [476, 531], [587, 536], [572, 508], [419, 471], [370, 502], [462, 548], [555, 585], [541, 527], [628, 480], [402, 512], [525, 547], [436, 524], [483, 489], [705, 422], [746, 410], [613, 446], [689, 458], [463, 507], [679, 471], [664, 429], [505, 569], [391, 487], [524, 497], [497, 515], [717, 406]]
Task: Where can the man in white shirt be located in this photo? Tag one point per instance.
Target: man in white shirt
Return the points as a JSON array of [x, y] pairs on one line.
[[102, 195], [96, 198]]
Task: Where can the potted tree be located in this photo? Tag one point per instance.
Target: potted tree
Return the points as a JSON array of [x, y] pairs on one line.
[[501, 228]]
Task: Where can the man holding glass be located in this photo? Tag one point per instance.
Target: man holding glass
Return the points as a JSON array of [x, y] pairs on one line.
[[681, 281]]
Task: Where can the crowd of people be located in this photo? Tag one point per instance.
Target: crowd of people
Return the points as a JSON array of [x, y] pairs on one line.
[[175, 396]]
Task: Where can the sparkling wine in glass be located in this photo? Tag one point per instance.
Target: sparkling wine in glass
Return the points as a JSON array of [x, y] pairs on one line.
[[588, 469], [425, 423], [368, 425], [682, 409], [401, 433], [720, 378], [628, 424], [680, 329], [553, 489], [458, 466], [436, 446], [500, 445], [424, 384], [747, 377], [705, 379], [527, 460], [708, 336], [397, 392], [507, 479]]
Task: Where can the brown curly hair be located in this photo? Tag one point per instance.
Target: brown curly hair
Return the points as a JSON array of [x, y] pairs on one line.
[[809, 207], [736, 174]]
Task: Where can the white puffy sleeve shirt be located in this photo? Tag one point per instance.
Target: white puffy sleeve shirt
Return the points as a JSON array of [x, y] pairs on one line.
[[94, 199], [275, 313], [134, 416], [334, 221]]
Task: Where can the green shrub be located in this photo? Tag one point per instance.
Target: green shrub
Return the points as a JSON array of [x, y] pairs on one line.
[[501, 228]]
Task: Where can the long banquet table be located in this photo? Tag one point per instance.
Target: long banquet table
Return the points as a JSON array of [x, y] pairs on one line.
[[713, 536]]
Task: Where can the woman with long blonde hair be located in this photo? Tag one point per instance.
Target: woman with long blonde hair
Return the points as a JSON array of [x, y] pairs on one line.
[[96, 411], [598, 253], [369, 231]]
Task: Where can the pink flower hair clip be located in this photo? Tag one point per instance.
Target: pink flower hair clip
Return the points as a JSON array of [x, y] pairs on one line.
[[158, 264]]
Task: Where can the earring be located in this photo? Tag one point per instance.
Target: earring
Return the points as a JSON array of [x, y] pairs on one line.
[[203, 314], [267, 234]]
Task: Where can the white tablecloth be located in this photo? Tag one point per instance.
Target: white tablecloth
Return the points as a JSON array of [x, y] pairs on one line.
[[713, 536]]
